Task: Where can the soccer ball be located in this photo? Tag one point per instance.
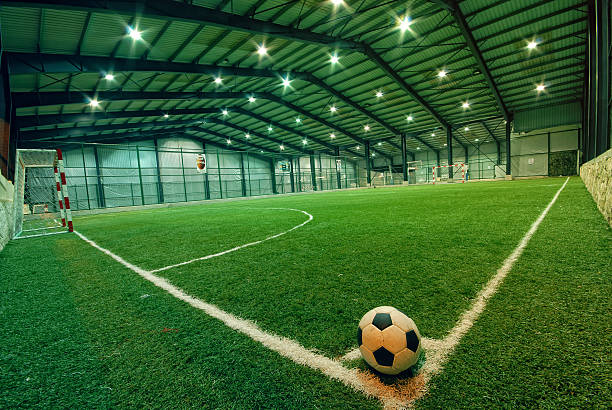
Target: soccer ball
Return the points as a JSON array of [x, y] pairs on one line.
[[389, 340]]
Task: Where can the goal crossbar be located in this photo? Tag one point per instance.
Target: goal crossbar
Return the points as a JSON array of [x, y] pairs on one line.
[[456, 168]]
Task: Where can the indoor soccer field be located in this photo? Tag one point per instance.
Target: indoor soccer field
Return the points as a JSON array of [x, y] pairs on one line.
[[81, 329], [318, 204]]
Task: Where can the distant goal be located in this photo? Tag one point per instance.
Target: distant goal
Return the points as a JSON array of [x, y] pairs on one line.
[[42, 205], [442, 175]]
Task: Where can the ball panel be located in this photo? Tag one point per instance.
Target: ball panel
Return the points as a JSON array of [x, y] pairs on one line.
[[404, 360], [372, 337], [367, 318], [384, 357], [394, 339], [386, 369], [382, 321], [384, 309], [402, 321], [412, 341], [368, 356]]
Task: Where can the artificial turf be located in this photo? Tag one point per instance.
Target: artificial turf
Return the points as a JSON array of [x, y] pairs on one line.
[[426, 250]]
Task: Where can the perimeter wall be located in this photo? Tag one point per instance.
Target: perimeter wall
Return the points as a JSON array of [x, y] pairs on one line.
[[597, 176]]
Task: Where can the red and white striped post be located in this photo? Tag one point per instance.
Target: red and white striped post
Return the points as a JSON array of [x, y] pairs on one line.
[[59, 194], [60, 162]]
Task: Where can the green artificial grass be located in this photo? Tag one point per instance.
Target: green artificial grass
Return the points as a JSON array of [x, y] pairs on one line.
[[426, 250]]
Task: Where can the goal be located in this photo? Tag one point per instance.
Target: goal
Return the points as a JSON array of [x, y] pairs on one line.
[[42, 206], [441, 173]]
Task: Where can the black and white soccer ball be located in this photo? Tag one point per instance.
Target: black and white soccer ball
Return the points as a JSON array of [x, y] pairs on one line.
[[389, 340]]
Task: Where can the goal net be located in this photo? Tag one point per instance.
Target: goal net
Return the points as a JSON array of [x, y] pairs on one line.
[[449, 173], [42, 206]]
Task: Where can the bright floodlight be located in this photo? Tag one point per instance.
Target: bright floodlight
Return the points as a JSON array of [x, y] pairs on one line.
[[418, 147], [247, 135], [409, 118], [540, 88], [333, 108], [379, 143], [445, 144], [224, 112], [270, 128], [262, 50], [286, 82], [337, 2], [134, 34], [218, 80], [379, 94], [405, 23], [366, 128], [298, 120], [332, 135], [465, 105], [282, 147], [94, 103], [532, 44], [229, 141], [304, 142], [252, 99], [373, 154], [467, 128], [166, 115], [433, 134], [109, 77], [442, 73], [476, 140], [334, 59], [357, 147]]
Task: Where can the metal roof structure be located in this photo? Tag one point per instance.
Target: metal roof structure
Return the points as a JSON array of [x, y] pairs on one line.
[[309, 75]]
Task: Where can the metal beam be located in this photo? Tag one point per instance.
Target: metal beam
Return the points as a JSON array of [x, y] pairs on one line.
[[508, 151], [224, 137], [404, 164], [454, 9], [175, 11]]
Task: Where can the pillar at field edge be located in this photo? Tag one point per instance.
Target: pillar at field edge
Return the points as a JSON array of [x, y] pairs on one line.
[[509, 177]]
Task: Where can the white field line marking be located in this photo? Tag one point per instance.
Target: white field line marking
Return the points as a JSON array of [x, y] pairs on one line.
[[214, 255], [439, 356], [40, 234], [282, 345]]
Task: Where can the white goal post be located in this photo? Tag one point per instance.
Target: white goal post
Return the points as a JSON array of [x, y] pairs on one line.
[[458, 173], [42, 205]]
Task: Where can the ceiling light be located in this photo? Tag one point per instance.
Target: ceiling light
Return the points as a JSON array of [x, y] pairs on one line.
[[166, 115], [466, 129], [218, 80], [304, 142], [540, 88], [262, 50], [373, 154], [405, 23], [334, 59], [379, 143], [337, 2], [333, 108], [379, 94], [532, 44], [465, 105], [332, 135], [476, 140], [357, 147], [286, 82], [442, 73], [366, 128], [282, 147], [224, 112], [247, 135], [270, 128], [94, 103], [433, 134], [418, 147], [298, 120], [109, 77], [445, 144], [252, 99], [229, 141], [134, 34], [409, 118]]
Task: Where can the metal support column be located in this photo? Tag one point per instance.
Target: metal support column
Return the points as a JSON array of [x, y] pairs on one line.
[[160, 187], [449, 146], [100, 187], [338, 173], [206, 183], [466, 154], [184, 179], [368, 158], [291, 175], [498, 145], [140, 176], [273, 177], [404, 159], [508, 150], [85, 176], [603, 77], [313, 172], [242, 176], [299, 172]]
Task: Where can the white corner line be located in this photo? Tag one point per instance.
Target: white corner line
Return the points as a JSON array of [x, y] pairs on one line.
[[214, 255], [446, 346]]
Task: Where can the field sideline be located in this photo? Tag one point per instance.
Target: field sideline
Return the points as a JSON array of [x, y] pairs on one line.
[[82, 329]]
